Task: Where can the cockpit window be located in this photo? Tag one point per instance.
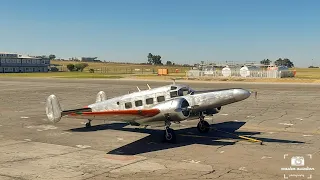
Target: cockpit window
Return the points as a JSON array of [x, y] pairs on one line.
[[184, 91], [173, 87]]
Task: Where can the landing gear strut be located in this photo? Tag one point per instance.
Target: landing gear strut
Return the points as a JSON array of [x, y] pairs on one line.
[[203, 126], [169, 134], [88, 124]]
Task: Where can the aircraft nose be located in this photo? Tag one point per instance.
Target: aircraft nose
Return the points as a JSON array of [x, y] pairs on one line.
[[241, 94]]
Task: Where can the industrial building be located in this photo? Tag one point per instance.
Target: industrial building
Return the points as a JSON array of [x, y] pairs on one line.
[[16, 63], [88, 59]]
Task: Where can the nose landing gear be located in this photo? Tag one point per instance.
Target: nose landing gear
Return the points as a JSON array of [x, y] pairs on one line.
[[88, 124], [169, 134]]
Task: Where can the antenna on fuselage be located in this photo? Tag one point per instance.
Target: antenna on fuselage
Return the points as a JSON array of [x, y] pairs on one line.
[[138, 88], [148, 86], [174, 81]]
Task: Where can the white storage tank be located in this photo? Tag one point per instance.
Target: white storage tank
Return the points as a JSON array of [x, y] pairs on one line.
[[226, 71], [247, 71], [285, 72], [282, 71]]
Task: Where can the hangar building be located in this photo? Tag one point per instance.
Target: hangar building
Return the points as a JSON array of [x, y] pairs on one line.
[[15, 63]]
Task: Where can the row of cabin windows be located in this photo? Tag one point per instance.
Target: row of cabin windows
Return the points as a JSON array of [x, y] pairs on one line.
[[138, 103]]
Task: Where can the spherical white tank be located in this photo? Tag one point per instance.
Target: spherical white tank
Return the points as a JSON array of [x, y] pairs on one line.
[[226, 71], [245, 71]]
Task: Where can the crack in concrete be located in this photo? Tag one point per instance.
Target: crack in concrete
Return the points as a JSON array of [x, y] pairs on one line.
[[14, 177], [210, 172], [285, 113], [116, 169], [36, 158], [224, 173], [13, 144]]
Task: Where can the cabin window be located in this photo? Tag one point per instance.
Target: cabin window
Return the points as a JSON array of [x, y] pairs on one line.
[[160, 98], [138, 103], [173, 94], [128, 105], [173, 87], [149, 101]]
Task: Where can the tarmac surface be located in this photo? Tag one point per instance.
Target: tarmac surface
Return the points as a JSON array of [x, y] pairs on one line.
[[284, 116]]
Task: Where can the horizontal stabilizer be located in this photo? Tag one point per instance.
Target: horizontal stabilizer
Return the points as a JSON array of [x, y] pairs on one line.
[[101, 96]]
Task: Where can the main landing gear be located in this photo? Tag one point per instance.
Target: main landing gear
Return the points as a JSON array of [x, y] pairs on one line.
[[169, 134], [203, 126], [88, 124]]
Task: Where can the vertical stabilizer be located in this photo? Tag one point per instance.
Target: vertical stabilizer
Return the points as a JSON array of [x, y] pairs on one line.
[[101, 96], [53, 109]]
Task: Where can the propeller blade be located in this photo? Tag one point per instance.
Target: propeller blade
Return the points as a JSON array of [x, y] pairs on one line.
[[255, 94]]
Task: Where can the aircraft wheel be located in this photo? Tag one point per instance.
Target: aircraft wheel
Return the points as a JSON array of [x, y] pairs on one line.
[[169, 136], [203, 127], [88, 125]]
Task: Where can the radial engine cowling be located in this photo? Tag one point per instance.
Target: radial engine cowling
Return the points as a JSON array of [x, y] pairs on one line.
[[174, 110], [213, 111]]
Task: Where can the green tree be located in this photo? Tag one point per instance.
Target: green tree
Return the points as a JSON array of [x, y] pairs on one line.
[[70, 67], [265, 62], [169, 63], [156, 60], [81, 66], [150, 58], [284, 62], [52, 56]]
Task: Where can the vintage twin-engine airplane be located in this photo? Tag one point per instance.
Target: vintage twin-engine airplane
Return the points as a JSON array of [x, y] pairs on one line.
[[153, 107]]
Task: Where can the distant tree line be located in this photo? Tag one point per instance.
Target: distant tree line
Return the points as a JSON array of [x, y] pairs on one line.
[[313, 67], [279, 62]]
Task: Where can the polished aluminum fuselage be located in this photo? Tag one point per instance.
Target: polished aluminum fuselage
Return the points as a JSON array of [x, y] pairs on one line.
[[198, 101]]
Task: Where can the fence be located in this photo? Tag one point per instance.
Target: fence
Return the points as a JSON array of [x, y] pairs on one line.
[[129, 70], [240, 74]]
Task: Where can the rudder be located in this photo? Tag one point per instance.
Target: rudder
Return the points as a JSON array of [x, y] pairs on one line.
[[53, 109], [101, 96]]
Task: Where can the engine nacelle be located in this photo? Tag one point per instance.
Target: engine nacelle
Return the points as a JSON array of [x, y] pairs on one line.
[[174, 110], [213, 111]]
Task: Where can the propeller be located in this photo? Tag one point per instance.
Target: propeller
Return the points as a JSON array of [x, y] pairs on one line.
[[255, 94], [174, 81]]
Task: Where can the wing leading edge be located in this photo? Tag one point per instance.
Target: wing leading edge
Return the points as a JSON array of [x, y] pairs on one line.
[[123, 115]]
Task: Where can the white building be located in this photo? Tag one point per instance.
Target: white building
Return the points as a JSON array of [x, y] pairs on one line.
[[12, 62]]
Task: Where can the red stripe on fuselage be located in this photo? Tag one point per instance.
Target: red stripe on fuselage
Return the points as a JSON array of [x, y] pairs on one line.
[[148, 112]]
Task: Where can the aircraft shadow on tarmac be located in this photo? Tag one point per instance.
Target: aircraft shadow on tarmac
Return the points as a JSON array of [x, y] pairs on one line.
[[186, 136]]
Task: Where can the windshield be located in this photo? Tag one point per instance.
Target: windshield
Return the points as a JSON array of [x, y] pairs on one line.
[[184, 91]]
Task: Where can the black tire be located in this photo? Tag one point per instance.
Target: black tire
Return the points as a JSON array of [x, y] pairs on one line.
[[88, 125], [170, 137], [203, 127]]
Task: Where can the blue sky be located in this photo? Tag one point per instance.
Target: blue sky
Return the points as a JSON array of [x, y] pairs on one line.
[[182, 31]]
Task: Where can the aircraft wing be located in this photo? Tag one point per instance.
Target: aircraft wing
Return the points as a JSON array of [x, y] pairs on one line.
[[124, 115]]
